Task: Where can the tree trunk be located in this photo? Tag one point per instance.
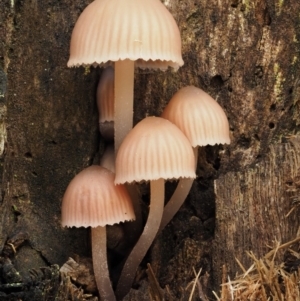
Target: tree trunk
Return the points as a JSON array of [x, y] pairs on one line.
[[255, 207], [245, 54]]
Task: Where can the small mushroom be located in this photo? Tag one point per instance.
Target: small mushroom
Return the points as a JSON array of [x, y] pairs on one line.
[[92, 200], [134, 229], [204, 122], [154, 150], [105, 103], [108, 158]]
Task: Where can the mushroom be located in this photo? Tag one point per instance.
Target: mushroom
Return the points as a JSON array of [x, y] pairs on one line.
[[154, 150], [105, 103], [108, 158], [134, 229], [204, 122], [131, 33], [92, 200]]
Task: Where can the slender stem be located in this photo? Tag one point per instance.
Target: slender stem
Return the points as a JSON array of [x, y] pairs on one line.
[[145, 240], [134, 229], [180, 194], [124, 81], [100, 264], [108, 159]]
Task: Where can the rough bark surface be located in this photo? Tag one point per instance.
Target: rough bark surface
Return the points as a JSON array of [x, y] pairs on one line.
[[243, 53], [257, 207], [51, 126]]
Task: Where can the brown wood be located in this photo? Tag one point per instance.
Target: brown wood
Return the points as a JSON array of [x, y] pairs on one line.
[[257, 207]]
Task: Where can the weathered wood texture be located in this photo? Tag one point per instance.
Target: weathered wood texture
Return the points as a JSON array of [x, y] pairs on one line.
[[257, 207], [51, 126], [244, 53]]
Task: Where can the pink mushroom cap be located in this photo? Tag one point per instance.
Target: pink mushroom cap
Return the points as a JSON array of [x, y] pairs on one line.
[[92, 199]]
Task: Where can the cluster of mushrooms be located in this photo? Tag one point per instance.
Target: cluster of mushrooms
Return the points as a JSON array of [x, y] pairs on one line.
[[126, 34]]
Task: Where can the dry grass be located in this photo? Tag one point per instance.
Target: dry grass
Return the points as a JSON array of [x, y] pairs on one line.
[[265, 280]]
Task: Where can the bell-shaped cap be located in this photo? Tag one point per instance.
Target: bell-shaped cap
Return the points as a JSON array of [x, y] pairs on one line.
[[198, 116], [140, 30], [105, 103], [92, 199], [106, 95], [155, 148], [108, 158]]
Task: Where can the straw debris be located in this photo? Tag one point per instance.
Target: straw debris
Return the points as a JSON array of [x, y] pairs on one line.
[[266, 279]]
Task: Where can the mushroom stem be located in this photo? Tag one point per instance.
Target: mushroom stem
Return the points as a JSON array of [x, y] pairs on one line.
[[100, 264], [124, 81], [140, 249], [180, 194], [134, 228]]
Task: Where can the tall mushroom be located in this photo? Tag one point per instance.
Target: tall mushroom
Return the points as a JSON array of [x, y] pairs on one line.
[[108, 158], [204, 122], [92, 200], [154, 150], [131, 33], [105, 103], [134, 229]]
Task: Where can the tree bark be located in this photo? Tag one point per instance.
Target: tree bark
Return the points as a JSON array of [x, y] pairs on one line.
[[257, 207], [245, 54]]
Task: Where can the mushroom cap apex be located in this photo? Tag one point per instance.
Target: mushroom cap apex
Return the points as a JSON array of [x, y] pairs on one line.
[[155, 148], [112, 30], [92, 199], [198, 116]]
